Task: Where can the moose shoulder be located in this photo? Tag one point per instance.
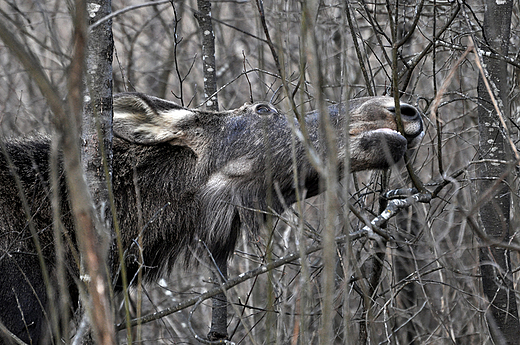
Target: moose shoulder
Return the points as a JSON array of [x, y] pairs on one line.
[[195, 177]]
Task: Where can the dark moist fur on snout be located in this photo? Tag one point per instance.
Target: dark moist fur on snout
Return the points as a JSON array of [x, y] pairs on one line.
[[387, 146], [195, 178]]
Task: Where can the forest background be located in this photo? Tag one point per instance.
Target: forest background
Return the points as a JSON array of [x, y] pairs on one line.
[[448, 271]]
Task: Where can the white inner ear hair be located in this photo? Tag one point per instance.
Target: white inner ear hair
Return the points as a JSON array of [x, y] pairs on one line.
[[174, 116]]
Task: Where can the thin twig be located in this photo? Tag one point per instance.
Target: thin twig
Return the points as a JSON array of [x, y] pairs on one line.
[[126, 9]]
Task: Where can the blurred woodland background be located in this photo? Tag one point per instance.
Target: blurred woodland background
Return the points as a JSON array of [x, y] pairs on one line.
[[422, 285]]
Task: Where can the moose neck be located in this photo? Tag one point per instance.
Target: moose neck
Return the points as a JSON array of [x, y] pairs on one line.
[[146, 207]]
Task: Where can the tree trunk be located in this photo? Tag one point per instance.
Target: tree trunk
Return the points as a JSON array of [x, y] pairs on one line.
[[97, 112], [495, 264], [218, 328], [96, 158]]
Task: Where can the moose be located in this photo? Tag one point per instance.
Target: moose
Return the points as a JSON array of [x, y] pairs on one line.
[[197, 178]]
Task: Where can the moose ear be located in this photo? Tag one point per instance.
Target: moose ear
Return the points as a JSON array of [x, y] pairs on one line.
[[148, 120]]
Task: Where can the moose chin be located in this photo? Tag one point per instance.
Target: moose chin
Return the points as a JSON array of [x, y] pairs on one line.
[[196, 178]]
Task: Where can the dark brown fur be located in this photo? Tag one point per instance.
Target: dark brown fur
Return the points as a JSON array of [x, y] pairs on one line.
[[199, 175]]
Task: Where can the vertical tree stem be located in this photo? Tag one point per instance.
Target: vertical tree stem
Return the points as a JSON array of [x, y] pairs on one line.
[[218, 328], [495, 262], [88, 226]]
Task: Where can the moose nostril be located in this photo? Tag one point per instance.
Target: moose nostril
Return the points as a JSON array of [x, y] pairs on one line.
[[411, 118], [409, 111], [406, 110]]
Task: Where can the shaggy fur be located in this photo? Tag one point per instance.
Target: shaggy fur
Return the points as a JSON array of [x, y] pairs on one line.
[[199, 175]]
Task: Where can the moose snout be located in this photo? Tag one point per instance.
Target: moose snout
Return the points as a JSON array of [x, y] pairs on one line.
[[412, 123]]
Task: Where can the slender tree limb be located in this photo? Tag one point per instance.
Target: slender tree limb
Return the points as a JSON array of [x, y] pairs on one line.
[[357, 48], [218, 328], [127, 9]]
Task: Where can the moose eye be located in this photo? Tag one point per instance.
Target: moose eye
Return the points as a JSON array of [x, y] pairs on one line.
[[264, 109]]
